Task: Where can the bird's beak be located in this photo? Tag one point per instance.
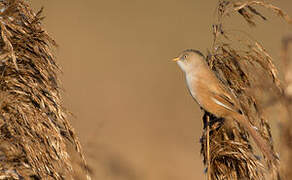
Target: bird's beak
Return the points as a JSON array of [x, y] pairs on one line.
[[175, 59]]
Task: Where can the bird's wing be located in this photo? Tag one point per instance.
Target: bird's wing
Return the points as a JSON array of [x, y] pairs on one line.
[[226, 101]]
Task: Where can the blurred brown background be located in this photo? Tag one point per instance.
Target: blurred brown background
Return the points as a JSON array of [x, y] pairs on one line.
[[132, 110]]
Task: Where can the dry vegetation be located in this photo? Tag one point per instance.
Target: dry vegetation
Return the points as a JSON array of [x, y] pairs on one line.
[[244, 66], [36, 138]]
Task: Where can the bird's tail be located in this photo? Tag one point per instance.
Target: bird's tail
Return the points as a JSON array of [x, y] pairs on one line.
[[262, 144]]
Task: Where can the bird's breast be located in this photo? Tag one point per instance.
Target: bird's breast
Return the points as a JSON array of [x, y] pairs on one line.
[[191, 80], [200, 87]]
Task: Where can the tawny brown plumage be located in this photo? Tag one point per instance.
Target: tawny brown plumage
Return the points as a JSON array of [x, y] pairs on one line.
[[213, 97]]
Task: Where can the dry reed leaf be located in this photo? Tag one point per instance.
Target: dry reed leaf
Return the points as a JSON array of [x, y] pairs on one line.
[[35, 133]]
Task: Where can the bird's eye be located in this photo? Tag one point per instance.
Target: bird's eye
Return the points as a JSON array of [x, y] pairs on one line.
[[185, 57]]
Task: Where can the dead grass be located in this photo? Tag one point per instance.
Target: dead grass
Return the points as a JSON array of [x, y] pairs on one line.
[[246, 68], [34, 128]]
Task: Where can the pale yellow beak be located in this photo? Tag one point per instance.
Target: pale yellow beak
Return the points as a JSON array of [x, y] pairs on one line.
[[175, 59]]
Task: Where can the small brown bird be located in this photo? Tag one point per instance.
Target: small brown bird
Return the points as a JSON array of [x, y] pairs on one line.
[[213, 96]]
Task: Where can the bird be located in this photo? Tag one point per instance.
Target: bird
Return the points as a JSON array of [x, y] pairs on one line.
[[212, 96]]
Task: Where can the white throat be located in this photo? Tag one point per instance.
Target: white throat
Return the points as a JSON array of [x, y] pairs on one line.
[[183, 66], [187, 67]]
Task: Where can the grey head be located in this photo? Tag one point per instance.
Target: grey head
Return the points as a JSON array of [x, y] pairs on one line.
[[189, 59]]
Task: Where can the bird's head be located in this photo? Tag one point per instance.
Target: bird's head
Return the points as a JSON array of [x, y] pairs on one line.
[[189, 59]]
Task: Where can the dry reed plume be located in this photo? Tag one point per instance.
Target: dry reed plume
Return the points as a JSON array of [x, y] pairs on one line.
[[244, 66], [35, 135]]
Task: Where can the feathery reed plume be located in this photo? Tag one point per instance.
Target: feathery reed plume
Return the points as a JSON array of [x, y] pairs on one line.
[[35, 132], [244, 66]]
